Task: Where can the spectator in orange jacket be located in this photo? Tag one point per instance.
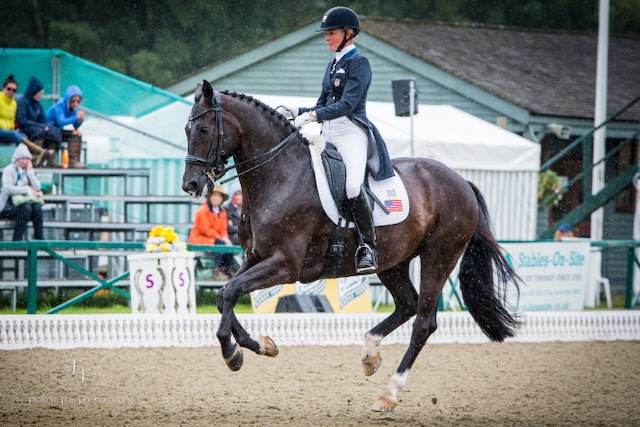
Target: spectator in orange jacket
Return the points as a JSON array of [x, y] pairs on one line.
[[210, 228]]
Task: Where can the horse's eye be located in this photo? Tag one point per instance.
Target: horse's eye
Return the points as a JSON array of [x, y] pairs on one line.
[[204, 129]]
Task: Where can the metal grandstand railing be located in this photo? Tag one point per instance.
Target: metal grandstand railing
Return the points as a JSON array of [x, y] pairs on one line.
[[590, 202]]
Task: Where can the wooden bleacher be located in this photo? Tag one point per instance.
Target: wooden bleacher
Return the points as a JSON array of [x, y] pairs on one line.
[[80, 216], [61, 176], [88, 217]]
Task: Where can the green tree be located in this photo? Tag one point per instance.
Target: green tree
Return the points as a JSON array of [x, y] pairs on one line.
[[159, 41]]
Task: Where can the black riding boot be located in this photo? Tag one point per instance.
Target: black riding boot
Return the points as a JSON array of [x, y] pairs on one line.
[[366, 257]]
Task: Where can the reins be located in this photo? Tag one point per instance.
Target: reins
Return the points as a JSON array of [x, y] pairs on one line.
[[208, 162], [274, 150]]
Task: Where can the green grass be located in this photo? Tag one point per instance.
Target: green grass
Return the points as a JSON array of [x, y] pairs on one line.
[[121, 309], [205, 304], [617, 303]]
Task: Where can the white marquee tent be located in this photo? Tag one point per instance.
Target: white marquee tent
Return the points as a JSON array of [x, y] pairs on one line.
[[503, 165]]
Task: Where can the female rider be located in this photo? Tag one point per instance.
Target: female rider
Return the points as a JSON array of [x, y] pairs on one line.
[[341, 108]]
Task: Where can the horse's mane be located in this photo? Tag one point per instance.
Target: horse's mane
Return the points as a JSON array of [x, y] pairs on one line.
[[266, 108]]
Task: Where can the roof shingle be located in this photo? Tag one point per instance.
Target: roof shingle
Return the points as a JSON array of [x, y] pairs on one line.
[[547, 73]]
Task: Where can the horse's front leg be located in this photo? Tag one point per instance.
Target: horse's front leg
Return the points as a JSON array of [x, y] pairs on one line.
[[264, 346], [252, 279], [231, 353]]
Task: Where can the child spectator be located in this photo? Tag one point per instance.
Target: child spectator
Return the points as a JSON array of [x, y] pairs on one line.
[[65, 112], [564, 231]]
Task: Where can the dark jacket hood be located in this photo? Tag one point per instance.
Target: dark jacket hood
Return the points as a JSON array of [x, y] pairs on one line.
[[35, 86]]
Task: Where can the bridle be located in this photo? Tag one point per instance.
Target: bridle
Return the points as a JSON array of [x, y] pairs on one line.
[[213, 172], [208, 163]]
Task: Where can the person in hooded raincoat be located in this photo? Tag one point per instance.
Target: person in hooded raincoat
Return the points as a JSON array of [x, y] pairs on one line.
[[32, 121], [65, 112]]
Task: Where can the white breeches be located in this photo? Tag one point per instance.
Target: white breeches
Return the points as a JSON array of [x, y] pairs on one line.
[[351, 142]]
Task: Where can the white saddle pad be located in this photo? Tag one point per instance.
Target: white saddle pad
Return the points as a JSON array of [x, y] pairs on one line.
[[391, 192]]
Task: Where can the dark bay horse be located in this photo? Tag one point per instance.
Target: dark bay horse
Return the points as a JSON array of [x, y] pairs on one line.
[[285, 231]]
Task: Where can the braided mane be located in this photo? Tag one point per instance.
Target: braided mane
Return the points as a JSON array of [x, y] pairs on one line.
[[257, 103]]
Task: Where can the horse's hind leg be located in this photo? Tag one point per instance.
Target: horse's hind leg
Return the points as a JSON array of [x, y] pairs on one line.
[[436, 262], [397, 281], [423, 327]]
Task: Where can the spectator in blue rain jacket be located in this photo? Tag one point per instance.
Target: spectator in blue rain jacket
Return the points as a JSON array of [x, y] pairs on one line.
[[65, 112]]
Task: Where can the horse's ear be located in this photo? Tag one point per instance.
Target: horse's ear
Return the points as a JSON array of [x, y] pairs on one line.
[[207, 90]]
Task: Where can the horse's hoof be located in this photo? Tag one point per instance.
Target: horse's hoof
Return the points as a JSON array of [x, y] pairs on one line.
[[234, 362], [268, 347], [370, 364], [384, 404]]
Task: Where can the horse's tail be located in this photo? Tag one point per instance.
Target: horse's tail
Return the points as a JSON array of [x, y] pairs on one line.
[[486, 301]]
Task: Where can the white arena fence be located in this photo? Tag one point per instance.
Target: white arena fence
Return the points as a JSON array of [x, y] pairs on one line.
[[288, 329]]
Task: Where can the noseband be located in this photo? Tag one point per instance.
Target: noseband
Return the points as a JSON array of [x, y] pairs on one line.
[[208, 163], [219, 169]]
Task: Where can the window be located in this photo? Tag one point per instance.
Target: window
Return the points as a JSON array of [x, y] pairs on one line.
[[627, 156]]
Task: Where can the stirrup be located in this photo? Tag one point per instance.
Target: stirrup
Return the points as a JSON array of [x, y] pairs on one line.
[[363, 265]]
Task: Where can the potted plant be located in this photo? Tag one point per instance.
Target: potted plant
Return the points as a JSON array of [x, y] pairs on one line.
[[549, 188]]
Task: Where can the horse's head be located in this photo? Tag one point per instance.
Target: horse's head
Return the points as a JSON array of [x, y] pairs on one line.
[[206, 157], [254, 133]]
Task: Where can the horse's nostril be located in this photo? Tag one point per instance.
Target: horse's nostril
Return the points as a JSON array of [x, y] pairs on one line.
[[190, 187]]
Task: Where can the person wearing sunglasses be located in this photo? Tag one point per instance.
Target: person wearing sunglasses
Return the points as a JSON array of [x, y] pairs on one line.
[[8, 108]]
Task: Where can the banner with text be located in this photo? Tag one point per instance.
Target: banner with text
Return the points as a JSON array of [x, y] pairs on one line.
[[345, 295], [555, 274]]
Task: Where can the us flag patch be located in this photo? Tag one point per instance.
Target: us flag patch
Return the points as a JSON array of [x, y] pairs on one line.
[[394, 205]]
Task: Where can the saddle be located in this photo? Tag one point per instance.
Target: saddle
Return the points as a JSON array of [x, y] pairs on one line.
[[336, 176], [336, 173]]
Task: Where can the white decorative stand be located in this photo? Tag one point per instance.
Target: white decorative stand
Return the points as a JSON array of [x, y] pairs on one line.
[[162, 283]]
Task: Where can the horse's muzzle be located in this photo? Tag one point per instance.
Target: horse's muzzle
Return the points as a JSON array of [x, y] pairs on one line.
[[195, 183]]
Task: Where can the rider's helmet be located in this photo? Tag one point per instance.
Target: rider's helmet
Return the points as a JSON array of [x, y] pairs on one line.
[[340, 17]]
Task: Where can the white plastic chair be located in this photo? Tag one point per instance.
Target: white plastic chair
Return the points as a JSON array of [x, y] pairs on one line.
[[597, 283], [606, 289]]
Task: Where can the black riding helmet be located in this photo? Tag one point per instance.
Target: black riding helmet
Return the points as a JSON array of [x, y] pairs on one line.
[[341, 17]]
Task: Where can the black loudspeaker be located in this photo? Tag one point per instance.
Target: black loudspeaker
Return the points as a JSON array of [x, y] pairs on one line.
[[401, 96], [303, 304]]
